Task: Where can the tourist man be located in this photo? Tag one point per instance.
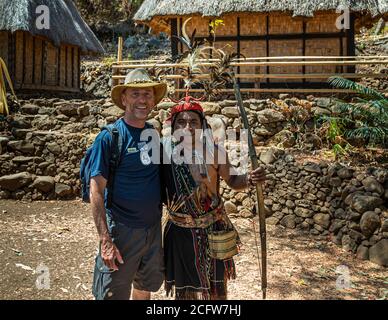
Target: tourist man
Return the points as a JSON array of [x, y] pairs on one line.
[[129, 229]]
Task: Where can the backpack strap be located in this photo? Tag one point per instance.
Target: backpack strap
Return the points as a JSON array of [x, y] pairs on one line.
[[114, 160]]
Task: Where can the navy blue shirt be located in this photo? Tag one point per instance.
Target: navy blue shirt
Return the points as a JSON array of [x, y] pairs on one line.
[[136, 200]]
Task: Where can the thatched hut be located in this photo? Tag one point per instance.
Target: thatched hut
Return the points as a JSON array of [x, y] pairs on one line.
[[269, 28], [44, 59]]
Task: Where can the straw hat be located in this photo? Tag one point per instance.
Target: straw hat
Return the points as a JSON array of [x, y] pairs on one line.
[[138, 78]]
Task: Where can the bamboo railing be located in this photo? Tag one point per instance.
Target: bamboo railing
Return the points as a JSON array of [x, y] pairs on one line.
[[121, 67]]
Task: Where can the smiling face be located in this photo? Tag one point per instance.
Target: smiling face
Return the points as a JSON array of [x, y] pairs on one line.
[[187, 122], [138, 103]]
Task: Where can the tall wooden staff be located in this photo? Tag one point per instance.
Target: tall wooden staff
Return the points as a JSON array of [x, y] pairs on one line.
[[259, 189], [219, 78]]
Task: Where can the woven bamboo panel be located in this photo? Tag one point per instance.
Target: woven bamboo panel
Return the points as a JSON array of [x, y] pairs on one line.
[[62, 66], [253, 49], [283, 24], [226, 46], [252, 24], [200, 24], [229, 28], [331, 47], [69, 67], [51, 63], [76, 70], [278, 24], [4, 46], [315, 48], [322, 22], [38, 63], [28, 59], [19, 58], [278, 48]]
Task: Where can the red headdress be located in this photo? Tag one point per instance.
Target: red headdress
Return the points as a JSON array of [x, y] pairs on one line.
[[188, 103]]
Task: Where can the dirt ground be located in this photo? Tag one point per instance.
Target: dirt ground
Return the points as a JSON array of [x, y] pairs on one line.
[[60, 238]]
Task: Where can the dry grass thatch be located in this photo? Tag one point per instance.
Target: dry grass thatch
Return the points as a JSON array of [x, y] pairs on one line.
[[66, 24], [216, 8]]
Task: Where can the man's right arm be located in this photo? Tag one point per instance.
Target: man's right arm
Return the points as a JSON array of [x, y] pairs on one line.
[[109, 251]]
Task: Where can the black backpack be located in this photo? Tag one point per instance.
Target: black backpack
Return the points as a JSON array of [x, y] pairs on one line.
[[115, 155]]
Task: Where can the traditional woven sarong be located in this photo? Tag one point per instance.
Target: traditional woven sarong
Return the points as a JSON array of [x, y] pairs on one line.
[[191, 272]]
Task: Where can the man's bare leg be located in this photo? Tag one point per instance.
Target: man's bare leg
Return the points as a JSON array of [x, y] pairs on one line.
[[141, 295]]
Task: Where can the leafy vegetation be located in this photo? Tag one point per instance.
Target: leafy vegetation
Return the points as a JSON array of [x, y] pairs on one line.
[[109, 60], [363, 121]]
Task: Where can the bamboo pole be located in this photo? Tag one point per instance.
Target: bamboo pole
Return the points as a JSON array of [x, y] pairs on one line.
[[281, 76], [253, 64], [274, 90], [115, 72], [120, 50], [262, 61], [266, 58]]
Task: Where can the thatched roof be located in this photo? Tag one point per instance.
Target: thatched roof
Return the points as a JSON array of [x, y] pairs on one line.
[[66, 24], [215, 8]]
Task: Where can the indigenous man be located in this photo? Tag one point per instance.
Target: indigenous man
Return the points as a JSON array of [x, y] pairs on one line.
[[199, 239]]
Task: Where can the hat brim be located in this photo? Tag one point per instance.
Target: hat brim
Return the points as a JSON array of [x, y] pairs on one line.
[[160, 90]]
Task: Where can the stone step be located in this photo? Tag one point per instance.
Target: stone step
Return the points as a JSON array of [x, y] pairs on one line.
[[27, 134], [22, 146], [20, 134], [3, 143], [23, 159]]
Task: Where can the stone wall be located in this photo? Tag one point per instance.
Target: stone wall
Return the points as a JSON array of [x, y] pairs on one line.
[[328, 200], [42, 145]]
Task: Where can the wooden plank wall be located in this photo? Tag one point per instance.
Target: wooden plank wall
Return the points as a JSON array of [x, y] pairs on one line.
[[19, 59], [38, 64], [29, 66], [38, 61], [69, 67], [4, 46], [51, 64], [62, 67], [76, 67]]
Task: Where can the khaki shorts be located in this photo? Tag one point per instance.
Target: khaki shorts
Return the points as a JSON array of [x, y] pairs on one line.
[[142, 253]]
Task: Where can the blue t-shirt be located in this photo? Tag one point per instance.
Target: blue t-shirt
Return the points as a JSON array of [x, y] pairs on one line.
[[136, 199]]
